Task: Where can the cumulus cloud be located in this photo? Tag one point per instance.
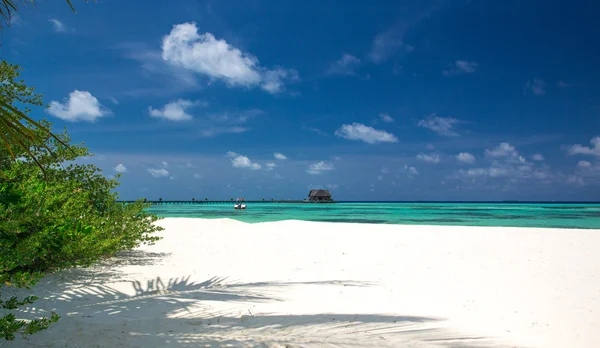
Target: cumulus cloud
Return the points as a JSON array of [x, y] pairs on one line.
[[174, 111], [440, 125], [431, 158], [279, 156], [461, 67], [535, 87], [346, 65], [537, 157], [158, 173], [271, 165], [593, 150], [203, 53], [59, 27], [506, 162], [584, 164], [319, 168], [120, 168], [502, 150], [386, 118], [241, 161], [273, 80], [80, 106], [370, 135], [465, 157]]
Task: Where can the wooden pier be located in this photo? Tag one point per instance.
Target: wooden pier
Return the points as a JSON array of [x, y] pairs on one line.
[[160, 202]]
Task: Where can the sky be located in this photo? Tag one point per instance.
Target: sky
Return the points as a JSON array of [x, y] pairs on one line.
[[382, 100]]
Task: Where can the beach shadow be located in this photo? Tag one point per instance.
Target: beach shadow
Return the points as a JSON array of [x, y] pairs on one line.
[[99, 310]]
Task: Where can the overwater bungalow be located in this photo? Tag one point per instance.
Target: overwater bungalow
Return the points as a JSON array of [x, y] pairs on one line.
[[319, 196]]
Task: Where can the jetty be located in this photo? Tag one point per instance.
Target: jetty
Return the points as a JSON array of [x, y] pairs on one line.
[[314, 196], [159, 202]]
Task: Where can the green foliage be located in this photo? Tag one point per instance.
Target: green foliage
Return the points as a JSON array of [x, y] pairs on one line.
[[14, 134], [55, 213]]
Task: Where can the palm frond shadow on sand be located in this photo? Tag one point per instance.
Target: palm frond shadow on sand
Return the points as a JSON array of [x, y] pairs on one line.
[[179, 313]]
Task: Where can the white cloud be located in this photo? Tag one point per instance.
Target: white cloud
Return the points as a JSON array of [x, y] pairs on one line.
[[461, 67], [114, 100], [575, 180], [384, 170], [502, 150], [158, 173], [197, 176], [314, 130], [379, 177], [387, 43], [81, 106], [386, 118], [357, 131], [346, 65], [270, 165], [59, 27], [465, 157], [505, 162], [217, 59], [120, 168], [584, 164], [174, 111], [440, 125], [411, 170], [214, 131], [273, 80], [537, 157], [431, 158], [241, 161], [593, 150], [279, 156], [476, 172], [164, 164], [319, 168], [535, 87]]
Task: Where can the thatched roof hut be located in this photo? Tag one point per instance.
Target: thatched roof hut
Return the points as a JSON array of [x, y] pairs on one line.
[[319, 196]]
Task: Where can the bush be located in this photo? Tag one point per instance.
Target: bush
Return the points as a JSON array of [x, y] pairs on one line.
[[63, 216]]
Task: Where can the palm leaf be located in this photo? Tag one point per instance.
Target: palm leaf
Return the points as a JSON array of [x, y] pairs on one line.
[[10, 123], [9, 7]]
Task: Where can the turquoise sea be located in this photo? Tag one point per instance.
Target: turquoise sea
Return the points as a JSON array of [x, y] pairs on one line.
[[568, 215]]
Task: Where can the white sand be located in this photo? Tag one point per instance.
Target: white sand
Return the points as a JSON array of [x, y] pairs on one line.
[[212, 283]]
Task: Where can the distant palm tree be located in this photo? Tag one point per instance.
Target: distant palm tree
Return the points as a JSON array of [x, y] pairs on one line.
[[193, 199], [263, 199], [231, 199], [160, 199], [206, 199]]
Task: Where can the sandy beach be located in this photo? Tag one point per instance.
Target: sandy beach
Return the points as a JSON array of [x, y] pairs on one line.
[[224, 283]]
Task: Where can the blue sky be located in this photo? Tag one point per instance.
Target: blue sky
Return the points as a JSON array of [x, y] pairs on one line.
[[386, 100]]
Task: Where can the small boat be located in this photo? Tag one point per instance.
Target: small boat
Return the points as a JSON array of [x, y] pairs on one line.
[[239, 205]]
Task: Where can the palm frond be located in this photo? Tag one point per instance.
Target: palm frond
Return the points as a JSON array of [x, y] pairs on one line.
[[8, 8]]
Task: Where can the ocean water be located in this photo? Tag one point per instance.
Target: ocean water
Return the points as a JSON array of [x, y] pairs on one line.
[[463, 214]]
